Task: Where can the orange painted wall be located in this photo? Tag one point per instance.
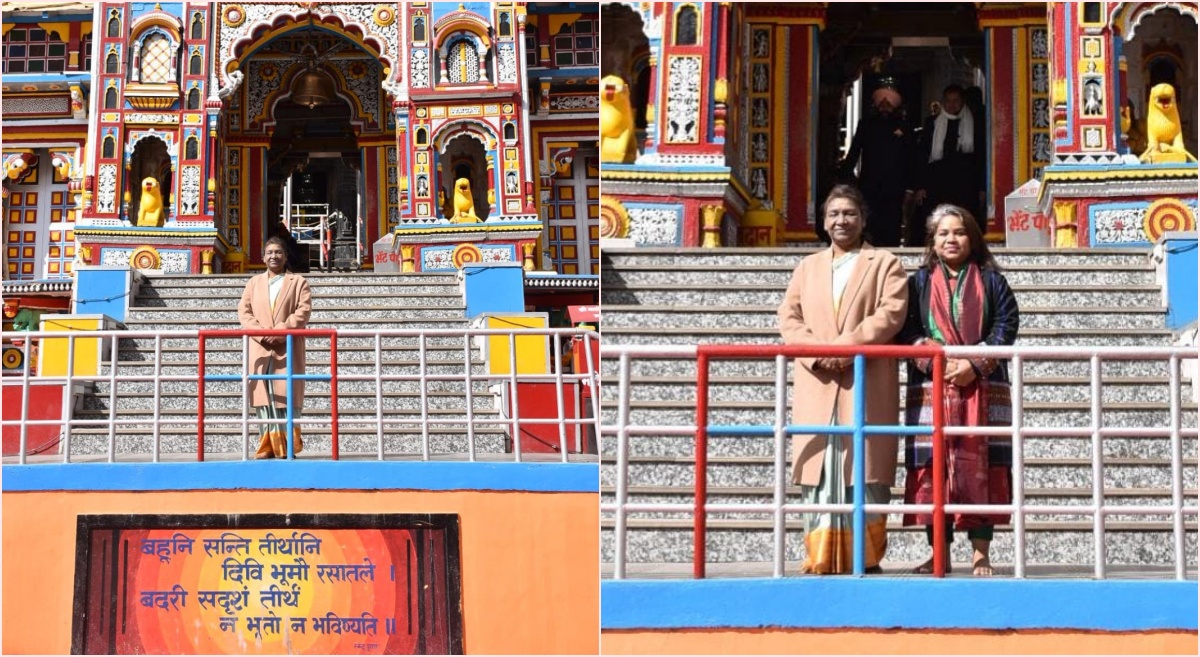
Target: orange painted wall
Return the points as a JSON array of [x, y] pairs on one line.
[[905, 642], [531, 582]]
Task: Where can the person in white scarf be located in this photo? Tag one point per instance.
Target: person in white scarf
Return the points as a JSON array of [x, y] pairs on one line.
[[966, 131], [950, 163]]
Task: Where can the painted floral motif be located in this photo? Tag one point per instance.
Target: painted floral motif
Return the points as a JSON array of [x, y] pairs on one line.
[[654, 226], [1119, 226], [420, 68], [508, 63], [107, 189], [683, 99], [191, 190], [496, 254]]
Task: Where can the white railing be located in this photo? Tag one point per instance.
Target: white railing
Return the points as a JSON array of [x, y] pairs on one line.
[[622, 430], [310, 225], [575, 426]]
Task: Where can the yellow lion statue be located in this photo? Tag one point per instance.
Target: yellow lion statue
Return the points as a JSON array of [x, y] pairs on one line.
[[617, 140], [150, 207], [1164, 130], [464, 203]]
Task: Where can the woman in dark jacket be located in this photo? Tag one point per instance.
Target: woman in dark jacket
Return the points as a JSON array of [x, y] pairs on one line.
[[958, 297]]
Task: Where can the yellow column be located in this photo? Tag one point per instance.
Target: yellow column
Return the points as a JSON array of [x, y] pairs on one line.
[[711, 219], [1066, 229]]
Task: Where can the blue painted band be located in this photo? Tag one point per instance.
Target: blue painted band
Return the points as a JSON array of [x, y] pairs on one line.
[[858, 475], [208, 378], [845, 430], [887, 602], [304, 475]]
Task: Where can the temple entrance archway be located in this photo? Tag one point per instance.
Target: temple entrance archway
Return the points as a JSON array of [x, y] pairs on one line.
[[309, 127]]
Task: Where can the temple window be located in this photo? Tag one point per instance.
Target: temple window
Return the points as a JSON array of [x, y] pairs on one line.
[[531, 49], [576, 44], [462, 62], [85, 48], [110, 148], [193, 99], [197, 26], [114, 24], [192, 150], [685, 26], [111, 63], [110, 98], [196, 66], [34, 50], [419, 29], [156, 59]]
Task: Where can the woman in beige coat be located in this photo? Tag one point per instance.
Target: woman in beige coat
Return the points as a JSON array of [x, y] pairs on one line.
[[849, 294], [275, 299]]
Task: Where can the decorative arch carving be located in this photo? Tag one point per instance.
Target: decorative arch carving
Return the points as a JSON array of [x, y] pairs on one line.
[[477, 130], [172, 37], [1128, 16], [461, 21], [256, 24]]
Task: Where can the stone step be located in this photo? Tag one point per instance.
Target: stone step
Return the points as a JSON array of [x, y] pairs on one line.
[[400, 315], [328, 319], [1126, 543], [222, 351], [1049, 498], [1035, 446], [746, 335], [313, 278], [318, 363], [1028, 296], [1036, 414], [779, 273], [641, 367], [759, 471], [347, 344], [225, 302], [652, 318], [1056, 389], [724, 258], [397, 441], [398, 397]]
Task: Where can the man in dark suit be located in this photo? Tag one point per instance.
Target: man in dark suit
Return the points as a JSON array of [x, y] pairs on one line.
[[884, 141], [950, 165]]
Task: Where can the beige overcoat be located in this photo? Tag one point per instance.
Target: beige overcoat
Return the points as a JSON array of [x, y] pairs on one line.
[[872, 311], [292, 309]]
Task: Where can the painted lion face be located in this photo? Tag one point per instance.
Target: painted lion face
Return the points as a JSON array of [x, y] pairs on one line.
[[1164, 96]]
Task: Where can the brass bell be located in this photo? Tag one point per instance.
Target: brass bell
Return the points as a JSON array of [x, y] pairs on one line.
[[312, 88]]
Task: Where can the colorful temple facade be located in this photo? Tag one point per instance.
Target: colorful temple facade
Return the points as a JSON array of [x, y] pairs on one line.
[[178, 136], [741, 112]]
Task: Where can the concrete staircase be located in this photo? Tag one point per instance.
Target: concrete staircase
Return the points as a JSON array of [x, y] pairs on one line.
[[691, 296], [340, 301]]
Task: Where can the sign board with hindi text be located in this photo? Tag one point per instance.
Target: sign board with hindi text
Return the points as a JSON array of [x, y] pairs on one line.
[[380, 584], [1024, 223]]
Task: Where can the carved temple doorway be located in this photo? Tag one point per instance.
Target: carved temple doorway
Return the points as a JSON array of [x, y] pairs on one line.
[[922, 47], [309, 134]]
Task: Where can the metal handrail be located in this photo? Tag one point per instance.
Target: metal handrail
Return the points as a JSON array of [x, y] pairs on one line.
[[584, 378], [288, 377], [623, 430]]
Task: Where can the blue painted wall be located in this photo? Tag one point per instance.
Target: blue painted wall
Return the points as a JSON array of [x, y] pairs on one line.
[[891, 602], [103, 291], [305, 475], [497, 288], [1182, 275]]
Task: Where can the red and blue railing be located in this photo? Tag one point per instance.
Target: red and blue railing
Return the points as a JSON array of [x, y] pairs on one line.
[[288, 376]]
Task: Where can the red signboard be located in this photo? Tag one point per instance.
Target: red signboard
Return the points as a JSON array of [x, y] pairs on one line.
[[309, 584], [581, 314]]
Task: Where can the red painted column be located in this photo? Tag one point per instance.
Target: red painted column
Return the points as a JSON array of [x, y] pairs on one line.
[[1006, 121], [801, 130]]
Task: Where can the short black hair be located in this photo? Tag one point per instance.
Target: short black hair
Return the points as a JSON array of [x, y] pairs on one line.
[[954, 88]]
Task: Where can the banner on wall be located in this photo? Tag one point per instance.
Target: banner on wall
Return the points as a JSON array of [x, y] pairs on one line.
[[268, 584]]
